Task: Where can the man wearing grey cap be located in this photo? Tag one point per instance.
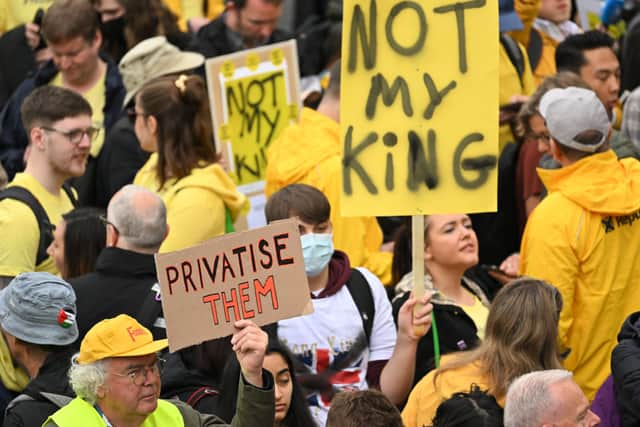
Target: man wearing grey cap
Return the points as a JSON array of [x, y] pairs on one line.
[[583, 238], [37, 317]]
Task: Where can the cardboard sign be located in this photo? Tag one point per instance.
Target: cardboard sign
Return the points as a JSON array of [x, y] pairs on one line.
[[419, 107], [257, 275], [254, 94]]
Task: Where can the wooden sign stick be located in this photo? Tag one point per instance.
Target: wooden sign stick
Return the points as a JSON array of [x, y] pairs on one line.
[[417, 251]]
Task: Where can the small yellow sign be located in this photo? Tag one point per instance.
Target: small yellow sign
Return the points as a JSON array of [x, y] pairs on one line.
[[258, 110]]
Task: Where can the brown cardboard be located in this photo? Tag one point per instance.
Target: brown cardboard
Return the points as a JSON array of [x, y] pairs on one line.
[[257, 275]]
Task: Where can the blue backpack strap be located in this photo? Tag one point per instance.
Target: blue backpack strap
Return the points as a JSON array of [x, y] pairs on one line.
[[363, 298]]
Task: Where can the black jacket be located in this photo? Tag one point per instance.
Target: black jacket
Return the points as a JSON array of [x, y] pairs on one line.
[[121, 284], [120, 159], [188, 385], [52, 378], [213, 40], [456, 331], [625, 368]]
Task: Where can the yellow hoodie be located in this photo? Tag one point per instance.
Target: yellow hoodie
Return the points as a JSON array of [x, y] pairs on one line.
[[195, 204], [427, 396], [584, 239], [310, 152]]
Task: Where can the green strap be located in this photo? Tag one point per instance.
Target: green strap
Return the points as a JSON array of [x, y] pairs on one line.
[[436, 340], [228, 221]]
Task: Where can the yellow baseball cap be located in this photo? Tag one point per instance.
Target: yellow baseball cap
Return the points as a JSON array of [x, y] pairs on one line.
[[121, 336]]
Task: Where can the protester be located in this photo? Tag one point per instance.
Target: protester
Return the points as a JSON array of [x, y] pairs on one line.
[[591, 244], [38, 319], [516, 79], [591, 56], [520, 337], [77, 241], [535, 145], [349, 341], [124, 279], [244, 24], [363, 408], [460, 304], [116, 377], [310, 152], [121, 156], [70, 28], [475, 408], [291, 405], [173, 121], [551, 26], [60, 135], [547, 398], [125, 23]]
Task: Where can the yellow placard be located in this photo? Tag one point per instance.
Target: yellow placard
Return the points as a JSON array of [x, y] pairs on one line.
[[258, 110], [419, 107]]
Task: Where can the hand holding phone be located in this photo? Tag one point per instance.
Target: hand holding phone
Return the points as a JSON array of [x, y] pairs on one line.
[[32, 32]]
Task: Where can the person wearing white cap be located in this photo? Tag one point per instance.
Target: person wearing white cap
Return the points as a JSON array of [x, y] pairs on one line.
[[121, 155], [583, 237]]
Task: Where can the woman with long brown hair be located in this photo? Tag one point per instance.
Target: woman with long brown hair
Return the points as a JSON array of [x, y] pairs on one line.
[[172, 120], [521, 337]]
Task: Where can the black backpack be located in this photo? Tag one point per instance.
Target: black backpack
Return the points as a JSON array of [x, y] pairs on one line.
[[23, 195]]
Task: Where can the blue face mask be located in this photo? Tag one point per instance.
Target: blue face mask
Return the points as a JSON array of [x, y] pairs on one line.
[[316, 250]]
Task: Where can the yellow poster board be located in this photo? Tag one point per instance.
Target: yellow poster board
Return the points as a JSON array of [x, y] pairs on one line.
[[254, 94], [419, 107]]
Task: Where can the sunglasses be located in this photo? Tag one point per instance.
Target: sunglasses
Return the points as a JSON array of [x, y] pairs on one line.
[[132, 114]]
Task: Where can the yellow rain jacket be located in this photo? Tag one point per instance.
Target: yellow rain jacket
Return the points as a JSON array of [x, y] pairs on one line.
[[196, 204], [427, 396], [310, 152], [584, 238]]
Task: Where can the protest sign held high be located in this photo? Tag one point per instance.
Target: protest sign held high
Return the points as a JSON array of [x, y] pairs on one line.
[[257, 275], [254, 95], [419, 107]]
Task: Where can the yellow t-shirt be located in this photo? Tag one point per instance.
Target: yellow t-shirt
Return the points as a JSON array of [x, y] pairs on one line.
[[18, 12], [95, 97], [19, 228], [478, 314]]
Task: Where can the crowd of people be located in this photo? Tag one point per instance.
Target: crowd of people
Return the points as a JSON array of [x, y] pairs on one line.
[[529, 316]]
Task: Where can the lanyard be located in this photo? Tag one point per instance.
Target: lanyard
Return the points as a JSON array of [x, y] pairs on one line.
[[102, 415]]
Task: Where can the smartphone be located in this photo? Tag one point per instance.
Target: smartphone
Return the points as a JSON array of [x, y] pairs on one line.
[[37, 19], [496, 269]]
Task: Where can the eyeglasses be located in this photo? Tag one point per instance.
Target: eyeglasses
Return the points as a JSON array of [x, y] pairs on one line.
[[133, 115], [106, 222], [539, 137], [75, 135], [138, 376]]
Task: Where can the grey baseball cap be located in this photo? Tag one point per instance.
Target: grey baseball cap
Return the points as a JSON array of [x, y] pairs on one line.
[[571, 111], [39, 308]]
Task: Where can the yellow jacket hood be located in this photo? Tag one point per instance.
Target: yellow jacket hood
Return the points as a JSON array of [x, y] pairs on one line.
[[211, 177], [316, 139], [599, 183]]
